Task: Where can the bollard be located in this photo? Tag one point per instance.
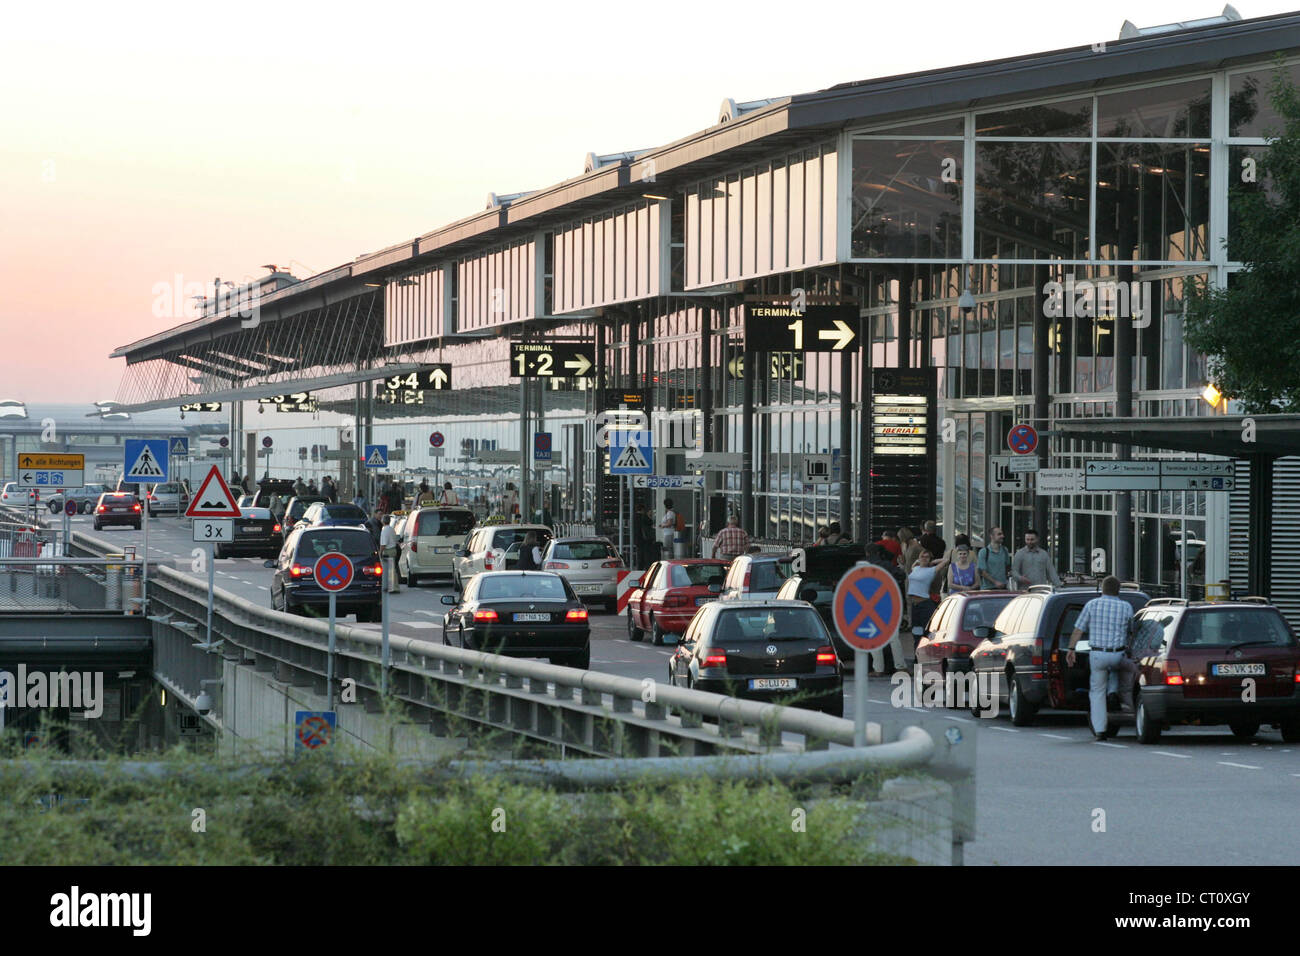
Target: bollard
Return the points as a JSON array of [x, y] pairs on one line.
[[113, 583]]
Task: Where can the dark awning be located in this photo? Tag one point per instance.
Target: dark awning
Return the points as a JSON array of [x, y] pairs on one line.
[[1274, 436]]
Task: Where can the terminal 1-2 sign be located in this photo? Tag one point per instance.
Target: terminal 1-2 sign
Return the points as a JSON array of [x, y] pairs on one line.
[[814, 328], [551, 360]]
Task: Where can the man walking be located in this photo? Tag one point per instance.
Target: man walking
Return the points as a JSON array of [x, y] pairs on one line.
[[668, 528], [994, 563], [1105, 620], [389, 550], [732, 541], [1033, 565]]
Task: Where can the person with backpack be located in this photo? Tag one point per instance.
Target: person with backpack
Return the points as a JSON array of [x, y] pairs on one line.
[[994, 563]]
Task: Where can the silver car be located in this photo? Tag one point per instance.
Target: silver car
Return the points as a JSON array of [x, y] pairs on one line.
[[170, 496], [591, 566]]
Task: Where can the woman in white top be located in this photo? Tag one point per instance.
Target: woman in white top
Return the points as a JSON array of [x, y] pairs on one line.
[[920, 585]]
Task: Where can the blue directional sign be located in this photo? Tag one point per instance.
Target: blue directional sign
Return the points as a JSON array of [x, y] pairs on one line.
[[315, 729], [145, 460], [180, 446], [867, 607], [631, 453], [376, 456]]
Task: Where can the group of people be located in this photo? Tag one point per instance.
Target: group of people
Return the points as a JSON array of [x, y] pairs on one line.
[[654, 539]]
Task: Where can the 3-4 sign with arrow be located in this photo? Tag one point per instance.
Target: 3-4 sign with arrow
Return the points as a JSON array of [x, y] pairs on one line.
[[815, 328], [551, 360]]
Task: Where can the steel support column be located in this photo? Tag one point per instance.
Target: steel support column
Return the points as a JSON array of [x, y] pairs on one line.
[[1042, 391], [750, 360], [1260, 561], [1122, 564]]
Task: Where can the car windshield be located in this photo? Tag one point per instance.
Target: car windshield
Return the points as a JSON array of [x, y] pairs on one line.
[[344, 540], [767, 624], [584, 551], [694, 575], [983, 612], [343, 513], [769, 575], [525, 586], [1228, 626], [442, 524]]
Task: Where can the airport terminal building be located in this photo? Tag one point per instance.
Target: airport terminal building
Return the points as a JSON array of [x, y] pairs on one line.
[[1014, 238]]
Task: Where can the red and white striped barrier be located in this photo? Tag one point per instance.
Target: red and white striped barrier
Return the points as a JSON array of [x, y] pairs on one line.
[[626, 583]]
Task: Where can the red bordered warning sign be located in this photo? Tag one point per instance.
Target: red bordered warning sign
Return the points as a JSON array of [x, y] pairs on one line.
[[214, 499]]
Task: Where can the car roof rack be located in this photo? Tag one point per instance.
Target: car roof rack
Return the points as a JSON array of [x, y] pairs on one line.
[[1039, 589], [1168, 600], [1254, 599]]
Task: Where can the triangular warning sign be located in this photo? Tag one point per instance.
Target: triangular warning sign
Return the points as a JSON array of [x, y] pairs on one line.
[[376, 459], [214, 499], [178, 448], [631, 457], [146, 466]]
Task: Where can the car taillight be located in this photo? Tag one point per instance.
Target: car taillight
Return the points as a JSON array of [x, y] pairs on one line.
[[745, 586], [962, 648], [616, 563], [301, 571], [1173, 673], [414, 547], [276, 529], [556, 565], [374, 570], [576, 614], [714, 658], [99, 510], [488, 615], [676, 600], [1297, 677], [826, 655], [136, 506]]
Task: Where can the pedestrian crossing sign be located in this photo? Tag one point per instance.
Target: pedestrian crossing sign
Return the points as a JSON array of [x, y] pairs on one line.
[[145, 460], [631, 453], [376, 456]]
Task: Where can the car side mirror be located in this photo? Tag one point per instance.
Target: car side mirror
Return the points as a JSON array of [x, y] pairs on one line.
[[715, 587], [449, 600], [983, 632], [268, 563]]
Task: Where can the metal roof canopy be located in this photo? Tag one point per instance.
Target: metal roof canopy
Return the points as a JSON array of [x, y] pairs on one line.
[[1274, 436]]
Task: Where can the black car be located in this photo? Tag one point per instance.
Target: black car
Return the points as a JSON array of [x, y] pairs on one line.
[[256, 531], [520, 614], [294, 588], [823, 568], [324, 513], [1020, 652], [117, 507], [777, 651]]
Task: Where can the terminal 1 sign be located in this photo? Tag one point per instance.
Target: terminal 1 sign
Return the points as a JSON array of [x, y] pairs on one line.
[[775, 327]]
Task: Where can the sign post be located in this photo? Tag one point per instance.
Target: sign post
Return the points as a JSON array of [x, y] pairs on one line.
[[867, 608], [145, 460], [333, 572], [630, 453], [212, 500]]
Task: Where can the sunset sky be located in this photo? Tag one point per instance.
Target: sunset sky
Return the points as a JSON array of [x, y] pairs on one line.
[[139, 142]]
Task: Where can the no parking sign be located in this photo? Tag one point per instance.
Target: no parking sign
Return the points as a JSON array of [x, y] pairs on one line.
[[867, 607], [315, 729]]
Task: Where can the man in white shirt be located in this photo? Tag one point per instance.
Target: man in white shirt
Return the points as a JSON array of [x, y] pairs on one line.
[[389, 551], [668, 529], [449, 496]]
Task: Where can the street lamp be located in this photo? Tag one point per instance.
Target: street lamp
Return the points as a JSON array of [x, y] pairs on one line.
[[1212, 395]]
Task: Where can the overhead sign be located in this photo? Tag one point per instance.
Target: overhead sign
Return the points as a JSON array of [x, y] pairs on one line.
[[780, 365], [180, 447], [631, 453], [314, 729], [145, 460], [867, 607], [818, 469], [333, 571], [1176, 475], [293, 402], [787, 328], [36, 470], [1002, 477], [719, 461], [201, 407], [1059, 481], [214, 499], [411, 388], [496, 456], [551, 360], [1022, 439], [436, 439], [542, 446], [376, 456], [668, 481], [213, 531]]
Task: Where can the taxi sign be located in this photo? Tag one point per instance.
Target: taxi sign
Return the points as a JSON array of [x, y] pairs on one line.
[[867, 607], [333, 571]]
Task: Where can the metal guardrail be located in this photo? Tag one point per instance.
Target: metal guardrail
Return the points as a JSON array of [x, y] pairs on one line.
[[55, 583]]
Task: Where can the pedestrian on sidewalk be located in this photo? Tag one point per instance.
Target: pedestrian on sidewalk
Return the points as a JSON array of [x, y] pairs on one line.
[[1032, 565], [732, 541], [389, 549], [994, 563]]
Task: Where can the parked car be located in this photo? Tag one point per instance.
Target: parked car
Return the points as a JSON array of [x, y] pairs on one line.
[[14, 496], [591, 565], [85, 498], [256, 531], [432, 536], [757, 576], [493, 548], [947, 641], [669, 594], [324, 513], [1017, 649], [761, 650], [824, 566], [520, 614], [117, 507], [1194, 660], [293, 585]]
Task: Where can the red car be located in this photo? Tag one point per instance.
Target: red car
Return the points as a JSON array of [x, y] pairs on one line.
[[665, 600], [950, 636]]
